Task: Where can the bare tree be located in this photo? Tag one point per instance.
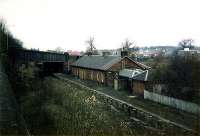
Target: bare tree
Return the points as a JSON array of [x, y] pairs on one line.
[[59, 49], [127, 44], [91, 49], [186, 43]]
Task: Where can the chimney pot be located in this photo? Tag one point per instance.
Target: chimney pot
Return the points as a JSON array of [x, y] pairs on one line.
[[124, 53]]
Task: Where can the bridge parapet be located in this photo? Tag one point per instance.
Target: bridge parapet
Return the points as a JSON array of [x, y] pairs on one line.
[[40, 56]]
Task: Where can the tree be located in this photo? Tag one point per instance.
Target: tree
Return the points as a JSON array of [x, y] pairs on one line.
[[59, 49], [181, 76], [8, 47], [126, 45], [7, 41], [91, 49], [3, 37], [186, 43]]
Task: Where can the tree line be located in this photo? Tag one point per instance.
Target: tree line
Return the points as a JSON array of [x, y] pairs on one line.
[[180, 74], [8, 45]]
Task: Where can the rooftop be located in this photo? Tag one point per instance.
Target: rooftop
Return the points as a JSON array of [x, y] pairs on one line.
[[136, 74], [102, 62], [129, 73]]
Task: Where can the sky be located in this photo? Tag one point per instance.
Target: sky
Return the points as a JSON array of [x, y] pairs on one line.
[[47, 24]]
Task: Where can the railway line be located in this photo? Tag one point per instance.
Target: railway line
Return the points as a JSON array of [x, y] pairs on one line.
[[138, 116]]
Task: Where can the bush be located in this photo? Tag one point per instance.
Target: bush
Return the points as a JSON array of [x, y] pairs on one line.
[[182, 77]]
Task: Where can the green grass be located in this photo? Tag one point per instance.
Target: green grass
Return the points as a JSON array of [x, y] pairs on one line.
[[167, 112], [61, 108], [54, 107]]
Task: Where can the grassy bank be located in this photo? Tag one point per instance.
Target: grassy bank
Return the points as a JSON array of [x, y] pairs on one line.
[[53, 107]]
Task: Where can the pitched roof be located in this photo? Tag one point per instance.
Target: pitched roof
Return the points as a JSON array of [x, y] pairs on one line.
[[136, 74], [97, 62], [142, 65], [129, 73], [102, 62], [142, 76]]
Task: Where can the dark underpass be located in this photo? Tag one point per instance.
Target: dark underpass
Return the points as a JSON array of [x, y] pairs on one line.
[[53, 67]]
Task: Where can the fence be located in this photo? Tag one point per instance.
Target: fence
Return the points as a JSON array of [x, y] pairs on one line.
[[170, 101], [136, 113]]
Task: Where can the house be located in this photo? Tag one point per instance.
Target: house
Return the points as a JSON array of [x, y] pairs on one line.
[[134, 80], [188, 52], [103, 69]]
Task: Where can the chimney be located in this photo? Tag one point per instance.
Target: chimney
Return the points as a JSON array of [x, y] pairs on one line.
[[124, 53]]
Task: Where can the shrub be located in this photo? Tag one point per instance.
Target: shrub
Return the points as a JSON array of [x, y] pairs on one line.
[[182, 77]]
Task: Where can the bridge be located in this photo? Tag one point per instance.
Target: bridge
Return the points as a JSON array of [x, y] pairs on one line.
[[40, 56], [11, 119], [47, 61]]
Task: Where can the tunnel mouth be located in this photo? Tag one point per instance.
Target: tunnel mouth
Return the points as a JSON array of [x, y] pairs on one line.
[[53, 67]]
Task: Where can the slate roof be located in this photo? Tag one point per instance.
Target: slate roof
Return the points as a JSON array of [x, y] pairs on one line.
[[136, 74], [97, 62], [101, 62], [142, 76], [129, 73], [142, 65]]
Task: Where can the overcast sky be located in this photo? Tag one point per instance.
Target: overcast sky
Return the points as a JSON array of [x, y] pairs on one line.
[[47, 24]]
